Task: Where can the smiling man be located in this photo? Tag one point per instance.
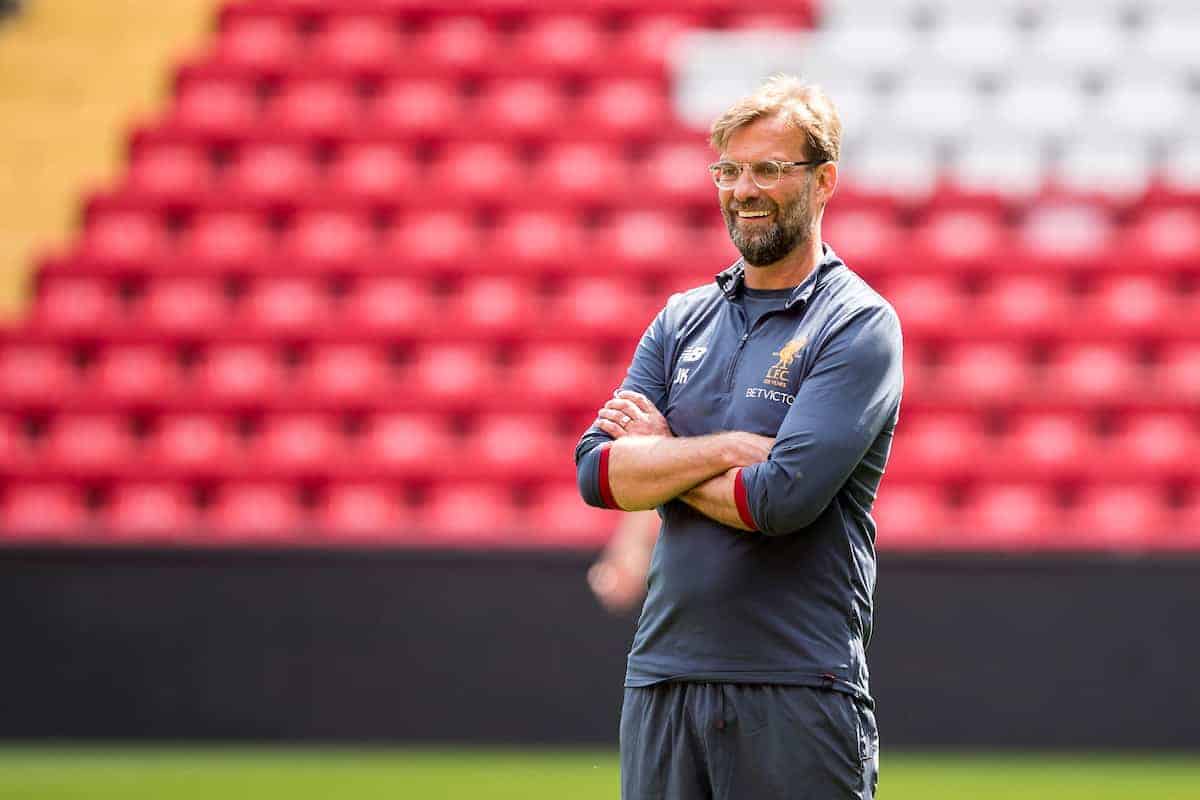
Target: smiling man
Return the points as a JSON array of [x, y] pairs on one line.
[[756, 417]]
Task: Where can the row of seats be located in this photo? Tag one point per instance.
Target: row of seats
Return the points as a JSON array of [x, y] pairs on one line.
[[450, 376], [260, 512], [1051, 237], [951, 447], [910, 516], [1029, 516], [930, 305]]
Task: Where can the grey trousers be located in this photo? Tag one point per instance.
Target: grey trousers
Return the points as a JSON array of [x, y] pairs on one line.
[[726, 741]]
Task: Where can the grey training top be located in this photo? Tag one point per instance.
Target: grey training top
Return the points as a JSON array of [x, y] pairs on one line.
[[789, 602]]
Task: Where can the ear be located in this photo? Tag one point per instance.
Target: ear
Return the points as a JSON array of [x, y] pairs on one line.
[[827, 179]]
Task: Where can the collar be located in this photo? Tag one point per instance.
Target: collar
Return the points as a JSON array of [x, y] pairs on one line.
[[731, 280]]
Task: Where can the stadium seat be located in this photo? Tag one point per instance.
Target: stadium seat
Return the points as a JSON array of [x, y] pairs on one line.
[[216, 107], [154, 511], [186, 306], [194, 442], [674, 173], [559, 43], [514, 446], [581, 172], [868, 241], [606, 307], [469, 514], [635, 241], [940, 446], [135, 374], [77, 444], [364, 512], [329, 239], [453, 372], [1010, 516], [35, 373], [77, 304], [406, 444], [985, 371], [353, 42], [285, 306], [556, 517], [272, 173], [1064, 237], [929, 304], [453, 42], [240, 372], [256, 512], [645, 42], [537, 241], [564, 373], [170, 172], [913, 517], [1177, 373], [260, 43], [1022, 306], [1154, 445], [1131, 304], [318, 107], [126, 238], [494, 306], [43, 510], [508, 107], [389, 306], [630, 107], [437, 238], [225, 239], [1094, 372], [348, 373], [1116, 516], [1164, 239], [303, 443], [479, 172], [411, 108], [374, 173], [955, 241], [1047, 445]]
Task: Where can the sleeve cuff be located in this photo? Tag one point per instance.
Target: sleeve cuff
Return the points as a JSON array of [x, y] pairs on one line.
[[606, 495], [742, 502]]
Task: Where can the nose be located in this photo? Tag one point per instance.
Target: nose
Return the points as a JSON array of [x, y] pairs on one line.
[[745, 186]]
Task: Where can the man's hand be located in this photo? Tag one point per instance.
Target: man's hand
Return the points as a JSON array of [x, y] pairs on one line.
[[745, 449], [631, 414]]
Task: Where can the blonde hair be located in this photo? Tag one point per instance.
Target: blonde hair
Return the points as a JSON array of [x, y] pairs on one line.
[[802, 105]]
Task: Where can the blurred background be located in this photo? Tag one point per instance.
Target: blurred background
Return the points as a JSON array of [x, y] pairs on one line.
[[306, 303]]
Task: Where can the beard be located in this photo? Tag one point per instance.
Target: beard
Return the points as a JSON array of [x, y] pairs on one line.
[[792, 228]]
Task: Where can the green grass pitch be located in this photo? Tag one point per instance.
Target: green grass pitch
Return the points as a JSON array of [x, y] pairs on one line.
[[232, 773]]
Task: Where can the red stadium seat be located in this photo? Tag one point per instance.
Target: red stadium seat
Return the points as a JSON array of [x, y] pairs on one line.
[[520, 106], [929, 304], [256, 512], [205, 442], [216, 107], [389, 305], [870, 241], [414, 108], [1010, 516], [135, 373], [356, 42], [603, 307], [561, 373], [283, 306], [961, 240], [557, 517], [329, 239], [494, 306], [77, 304], [1046, 444], [913, 517], [77, 443], [150, 511], [373, 172], [1155, 445], [1095, 372], [124, 237], [559, 42], [1185, 533], [939, 446], [1164, 239], [678, 173], [457, 42], [624, 107], [1131, 304], [317, 107], [516, 446], [14, 445], [1068, 237], [537, 240], [581, 172], [240, 372], [35, 373], [259, 43], [364, 512], [1116, 516], [351, 373], [272, 173], [478, 172], [407, 444], [43, 510], [644, 44], [454, 372], [224, 239], [984, 372], [190, 306], [299, 442], [1177, 373], [464, 514], [1024, 305], [638, 240], [170, 172], [440, 238]]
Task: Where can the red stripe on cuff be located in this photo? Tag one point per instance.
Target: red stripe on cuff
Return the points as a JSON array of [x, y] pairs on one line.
[[742, 502], [606, 495]]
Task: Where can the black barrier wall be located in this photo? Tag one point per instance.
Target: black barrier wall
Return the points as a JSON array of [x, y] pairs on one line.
[[511, 648]]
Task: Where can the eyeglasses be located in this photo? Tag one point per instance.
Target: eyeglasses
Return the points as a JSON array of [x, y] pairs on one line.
[[765, 174]]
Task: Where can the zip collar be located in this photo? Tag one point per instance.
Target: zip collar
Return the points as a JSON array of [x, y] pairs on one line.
[[731, 280]]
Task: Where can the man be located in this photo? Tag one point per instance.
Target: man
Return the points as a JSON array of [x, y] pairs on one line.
[[756, 416]]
